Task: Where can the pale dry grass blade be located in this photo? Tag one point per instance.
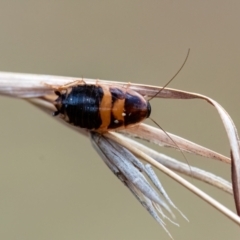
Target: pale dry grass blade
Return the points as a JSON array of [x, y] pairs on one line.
[[159, 137], [151, 174], [26, 85], [123, 160], [129, 170], [180, 167]]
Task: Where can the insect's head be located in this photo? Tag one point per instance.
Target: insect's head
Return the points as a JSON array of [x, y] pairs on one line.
[[59, 103]]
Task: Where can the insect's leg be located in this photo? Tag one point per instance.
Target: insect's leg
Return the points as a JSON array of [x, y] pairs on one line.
[[97, 82], [58, 88], [126, 87], [71, 84]]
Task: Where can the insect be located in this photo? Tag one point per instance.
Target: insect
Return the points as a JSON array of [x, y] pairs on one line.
[[100, 107]]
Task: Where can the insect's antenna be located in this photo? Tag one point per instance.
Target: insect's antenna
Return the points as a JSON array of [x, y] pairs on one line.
[[172, 77], [158, 124], [173, 143]]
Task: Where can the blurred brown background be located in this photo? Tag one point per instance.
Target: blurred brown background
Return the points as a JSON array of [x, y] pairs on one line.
[[52, 183]]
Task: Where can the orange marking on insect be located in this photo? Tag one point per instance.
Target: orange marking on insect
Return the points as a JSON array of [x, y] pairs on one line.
[[118, 110], [105, 109]]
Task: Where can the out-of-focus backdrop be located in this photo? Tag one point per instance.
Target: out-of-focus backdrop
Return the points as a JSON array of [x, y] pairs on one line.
[[52, 183]]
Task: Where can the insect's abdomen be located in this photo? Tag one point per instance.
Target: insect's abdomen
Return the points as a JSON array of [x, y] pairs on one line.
[[101, 107]]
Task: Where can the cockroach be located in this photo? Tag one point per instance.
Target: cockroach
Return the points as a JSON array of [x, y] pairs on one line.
[[100, 107]]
